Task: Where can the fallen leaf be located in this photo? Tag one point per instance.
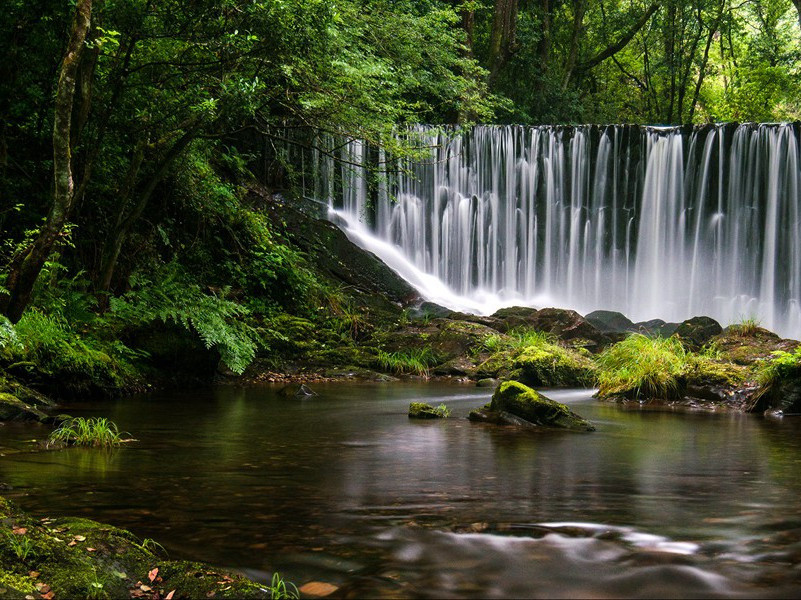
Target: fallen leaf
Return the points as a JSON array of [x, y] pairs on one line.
[[19, 531], [151, 575], [145, 588], [79, 538], [91, 549], [318, 589], [211, 594], [43, 588], [33, 574], [49, 595], [170, 595], [73, 543]]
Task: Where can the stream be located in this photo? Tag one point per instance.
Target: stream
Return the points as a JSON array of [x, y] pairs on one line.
[[342, 487]]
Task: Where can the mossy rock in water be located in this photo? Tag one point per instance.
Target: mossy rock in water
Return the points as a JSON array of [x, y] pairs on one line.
[[552, 366], [14, 409], [515, 403], [79, 558], [422, 410]]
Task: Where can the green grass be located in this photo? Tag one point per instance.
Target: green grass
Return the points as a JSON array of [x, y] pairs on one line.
[[443, 411], [92, 432], [21, 546], [746, 327], [516, 339], [282, 590], [642, 366], [415, 361]]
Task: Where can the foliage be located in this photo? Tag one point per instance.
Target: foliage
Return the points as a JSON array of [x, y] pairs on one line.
[[21, 546], [95, 432], [746, 327], [443, 410], [782, 366], [282, 590], [416, 361], [642, 366], [170, 297]]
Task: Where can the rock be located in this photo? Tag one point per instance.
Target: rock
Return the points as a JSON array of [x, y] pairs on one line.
[[14, 409], [487, 382], [696, 332], [296, 390], [748, 348], [460, 366], [516, 403], [608, 321], [429, 310], [553, 366], [514, 317], [656, 327], [421, 410]]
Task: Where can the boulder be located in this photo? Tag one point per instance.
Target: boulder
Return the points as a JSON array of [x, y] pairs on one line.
[[609, 321], [571, 327], [515, 403], [429, 310], [656, 327], [746, 347], [514, 317], [553, 366], [14, 409], [422, 410], [696, 332], [487, 382]]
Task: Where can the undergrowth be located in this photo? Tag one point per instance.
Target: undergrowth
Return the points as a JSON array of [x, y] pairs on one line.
[[92, 432], [415, 361], [642, 366]]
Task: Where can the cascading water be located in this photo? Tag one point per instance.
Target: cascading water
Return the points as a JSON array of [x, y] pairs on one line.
[[652, 222]]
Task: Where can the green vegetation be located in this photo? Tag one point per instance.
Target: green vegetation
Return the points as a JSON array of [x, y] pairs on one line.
[[97, 432], [746, 327], [21, 546], [642, 367], [281, 590], [415, 361], [423, 410], [783, 365]]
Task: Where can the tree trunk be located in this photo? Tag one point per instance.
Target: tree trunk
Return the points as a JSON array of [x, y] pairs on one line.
[[797, 4], [502, 36], [26, 266]]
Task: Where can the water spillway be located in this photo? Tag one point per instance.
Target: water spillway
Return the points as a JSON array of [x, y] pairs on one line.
[[653, 222]]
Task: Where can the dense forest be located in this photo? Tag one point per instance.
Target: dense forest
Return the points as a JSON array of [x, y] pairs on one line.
[[155, 220]]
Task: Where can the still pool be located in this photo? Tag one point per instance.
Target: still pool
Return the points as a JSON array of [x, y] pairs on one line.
[[342, 487]]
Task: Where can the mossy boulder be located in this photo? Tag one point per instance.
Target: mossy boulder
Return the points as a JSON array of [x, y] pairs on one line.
[[656, 328], [553, 366], [564, 325], [14, 409], [610, 322], [79, 558], [422, 410], [748, 346], [514, 317], [515, 403], [697, 331]]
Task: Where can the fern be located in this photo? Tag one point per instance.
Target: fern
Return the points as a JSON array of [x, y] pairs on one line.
[[217, 321]]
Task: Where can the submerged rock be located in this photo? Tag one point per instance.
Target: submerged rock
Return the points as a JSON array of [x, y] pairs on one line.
[[296, 390], [516, 404], [422, 410]]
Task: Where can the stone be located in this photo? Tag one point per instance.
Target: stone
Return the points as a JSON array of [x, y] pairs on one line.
[[514, 317], [518, 404], [296, 390], [553, 366], [487, 382], [697, 331], [14, 409], [429, 310], [609, 321], [422, 410], [656, 327]]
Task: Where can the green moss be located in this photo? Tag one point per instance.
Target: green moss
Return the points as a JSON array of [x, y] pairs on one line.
[[522, 401], [422, 410], [551, 365], [13, 585]]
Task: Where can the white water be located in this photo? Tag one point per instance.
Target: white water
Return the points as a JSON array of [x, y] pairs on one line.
[[653, 222]]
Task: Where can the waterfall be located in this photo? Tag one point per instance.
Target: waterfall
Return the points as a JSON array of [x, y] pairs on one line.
[[653, 222]]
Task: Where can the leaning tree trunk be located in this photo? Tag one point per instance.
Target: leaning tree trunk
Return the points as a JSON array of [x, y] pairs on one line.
[[26, 266]]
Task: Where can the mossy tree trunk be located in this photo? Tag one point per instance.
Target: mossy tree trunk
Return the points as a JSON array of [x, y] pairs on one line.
[[27, 265]]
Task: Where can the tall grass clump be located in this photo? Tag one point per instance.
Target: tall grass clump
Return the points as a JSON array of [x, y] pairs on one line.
[[746, 327], [282, 590], [641, 366], [415, 361], [92, 432]]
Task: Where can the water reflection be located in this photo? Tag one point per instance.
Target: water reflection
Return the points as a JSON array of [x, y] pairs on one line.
[[343, 486]]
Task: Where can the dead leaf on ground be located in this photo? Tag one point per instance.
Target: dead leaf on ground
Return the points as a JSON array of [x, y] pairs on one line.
[[79, 538], [19, 531], [170, 595], [152, 574], [49, 595], [33, 574], [73, 543], [145, 588], [318, 589], [91, 549]]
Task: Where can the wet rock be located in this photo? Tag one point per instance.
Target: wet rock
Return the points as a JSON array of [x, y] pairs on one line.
[[459, 366], [656, 327], [515, 403], [487, 382], [609, 321], [429, 310], [422, 410], [296, 390], [748, 346], [492, 322], [553, 366], [14, 409], [514, 317], [696, 332]]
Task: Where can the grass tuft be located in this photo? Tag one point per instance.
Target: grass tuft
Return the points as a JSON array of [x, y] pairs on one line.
[[282, 590], [642, 366], [416, 361], [92, 432]]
